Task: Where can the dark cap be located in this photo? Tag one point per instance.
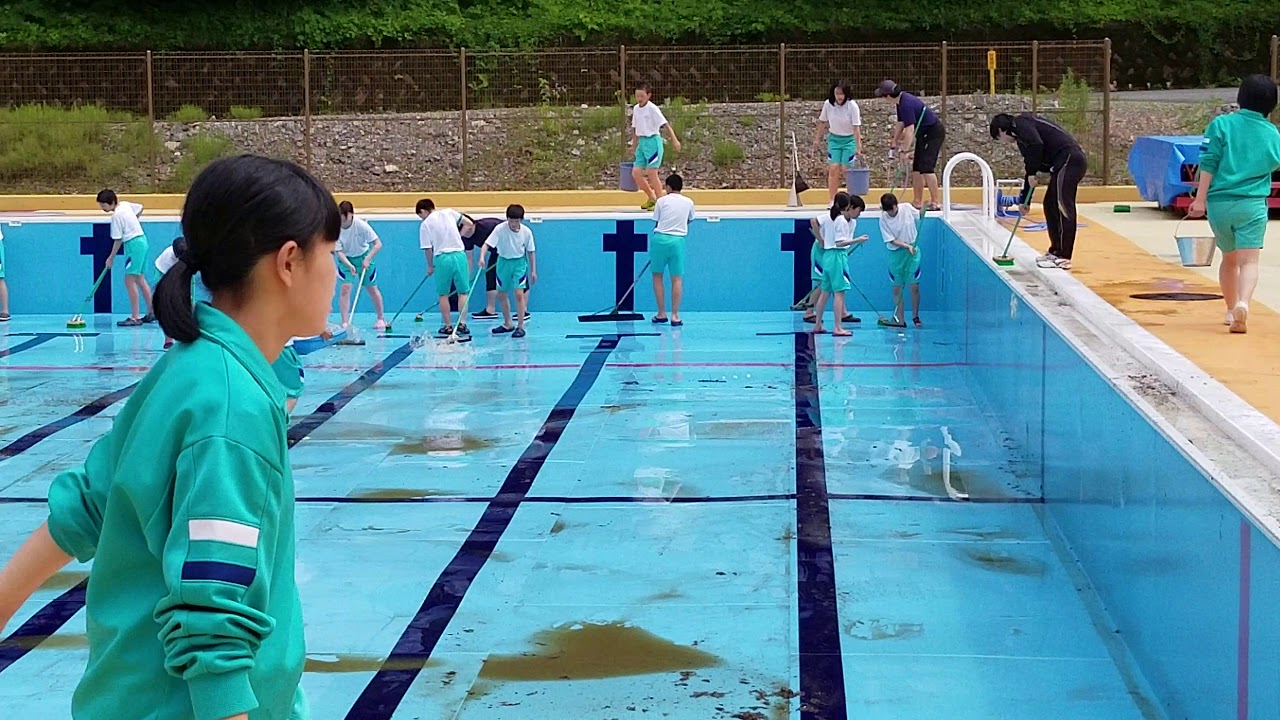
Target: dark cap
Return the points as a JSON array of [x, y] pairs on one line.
[[886, 88]]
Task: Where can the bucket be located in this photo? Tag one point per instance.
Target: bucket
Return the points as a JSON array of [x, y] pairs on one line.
[[626, 183], [1195, 250], [858, 180]]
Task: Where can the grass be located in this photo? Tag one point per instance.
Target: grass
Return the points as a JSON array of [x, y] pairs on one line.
[[748, 120], [1194, 119], [45, 148], [1074, 95], [188, 114], [240, 112], [197, 152], [727, 153]]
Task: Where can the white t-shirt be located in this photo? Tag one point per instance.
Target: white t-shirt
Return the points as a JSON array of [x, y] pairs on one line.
[[440, 232], [511, 244], [167, 259], [836, 230], [357, 239], [672, 214], [124, 221], [902, 227], [647, 119], [841, 119]]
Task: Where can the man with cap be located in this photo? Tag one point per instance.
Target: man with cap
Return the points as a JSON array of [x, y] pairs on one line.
[[916, 120]]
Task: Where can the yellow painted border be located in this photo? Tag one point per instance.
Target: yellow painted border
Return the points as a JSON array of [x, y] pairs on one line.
[[536, 200]]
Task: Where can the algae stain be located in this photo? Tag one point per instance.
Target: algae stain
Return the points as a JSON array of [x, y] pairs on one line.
[[1005, 562], [987, 535], [350, 663], [399, 494], [620, 407], [65, 580], [66, 641], [559, 526], [584, 651], [672, 594], [443, 443]]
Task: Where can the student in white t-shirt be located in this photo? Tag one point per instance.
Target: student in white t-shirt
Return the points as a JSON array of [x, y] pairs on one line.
[[647, 124], [440, 237], [842, 120], [671, 217], [899, 225], [517, 267], [357, 246], [126, 231]]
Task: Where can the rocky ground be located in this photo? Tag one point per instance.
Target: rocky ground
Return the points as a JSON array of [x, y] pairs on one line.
[[725, 146]]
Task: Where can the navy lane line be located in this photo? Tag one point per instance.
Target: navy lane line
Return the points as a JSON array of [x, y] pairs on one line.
[[26, 442], [614, 335], [391, 683], [1010, 500], [47, 620], [38, 339], [822, 691]]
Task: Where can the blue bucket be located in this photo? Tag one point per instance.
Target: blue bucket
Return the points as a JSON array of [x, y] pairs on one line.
[[858, 180], [626, 183]]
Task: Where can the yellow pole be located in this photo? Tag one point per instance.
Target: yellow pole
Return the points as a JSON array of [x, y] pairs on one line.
[[991, 69]]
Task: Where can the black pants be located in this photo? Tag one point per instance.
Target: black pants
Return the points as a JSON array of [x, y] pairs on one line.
[[491, 274], [1060, 205], [928, 146]]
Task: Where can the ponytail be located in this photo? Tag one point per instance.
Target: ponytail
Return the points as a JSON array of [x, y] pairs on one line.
[[172, 302], [840, 204]]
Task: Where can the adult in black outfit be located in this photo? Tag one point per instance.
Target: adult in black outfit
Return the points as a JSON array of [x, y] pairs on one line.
[[1047, 147], [484, 227]]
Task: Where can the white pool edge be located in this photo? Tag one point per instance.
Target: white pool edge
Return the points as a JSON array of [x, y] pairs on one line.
[[1254, 433]]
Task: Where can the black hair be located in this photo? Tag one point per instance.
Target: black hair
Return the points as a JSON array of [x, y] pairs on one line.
[[645, 87], [1003, 122], [857, 203], [346, 208], [238, 210], [839, 204], [179, 247], [424, 204], [1257, 93], [675, 182], [844, 88], [515, 212], [108, 197], [888, 201]]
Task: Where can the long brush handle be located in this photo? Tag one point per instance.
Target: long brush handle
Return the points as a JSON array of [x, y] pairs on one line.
[[1030, 194], [409, 299], [93, 289], [351, 316]]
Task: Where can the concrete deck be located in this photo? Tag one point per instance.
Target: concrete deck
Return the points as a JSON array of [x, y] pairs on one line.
[[1121, 254]]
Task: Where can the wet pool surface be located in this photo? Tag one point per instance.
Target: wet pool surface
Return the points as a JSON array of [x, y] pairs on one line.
[[725, 520]]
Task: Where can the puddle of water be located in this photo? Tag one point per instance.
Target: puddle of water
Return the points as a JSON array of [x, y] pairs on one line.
[[450, 443], [877, 630], [1005, 562], [595, 650]]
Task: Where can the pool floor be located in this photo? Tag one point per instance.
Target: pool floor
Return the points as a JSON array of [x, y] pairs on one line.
[[719, 521]]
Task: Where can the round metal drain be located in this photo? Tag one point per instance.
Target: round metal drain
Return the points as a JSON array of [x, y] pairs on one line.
[[1178, 296]]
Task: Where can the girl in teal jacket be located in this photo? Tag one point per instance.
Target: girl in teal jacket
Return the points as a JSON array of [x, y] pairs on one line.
[[186, 506]]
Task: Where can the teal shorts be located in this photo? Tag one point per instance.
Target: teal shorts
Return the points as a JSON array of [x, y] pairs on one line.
[[835, 271], [289, 372], [841, 149], [815, 261], [2, 266], [135, 255], [649, 152], [513, 274], [452, 273], [370, 277], [666, 254], [904, 268], [1238, 224]]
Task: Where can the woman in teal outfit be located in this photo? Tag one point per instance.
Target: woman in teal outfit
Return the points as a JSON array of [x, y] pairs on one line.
[[186, 506]]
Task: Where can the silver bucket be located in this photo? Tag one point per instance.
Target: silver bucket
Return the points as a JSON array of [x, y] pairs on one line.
[[1196, 250]]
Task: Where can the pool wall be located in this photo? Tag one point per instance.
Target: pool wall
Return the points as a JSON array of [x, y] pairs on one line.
[[1181, 572], [746, 262]]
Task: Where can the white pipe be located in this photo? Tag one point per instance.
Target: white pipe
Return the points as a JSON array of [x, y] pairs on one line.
[[988, 184]]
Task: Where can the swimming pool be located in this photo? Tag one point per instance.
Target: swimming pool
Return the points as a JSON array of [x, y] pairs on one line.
[[727, 520]]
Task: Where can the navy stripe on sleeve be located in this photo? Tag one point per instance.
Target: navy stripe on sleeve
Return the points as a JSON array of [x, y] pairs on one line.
[[218, 572]]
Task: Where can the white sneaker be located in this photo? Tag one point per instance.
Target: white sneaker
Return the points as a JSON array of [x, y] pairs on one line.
[[1240, 319], [1230, 318], [1046, 258]]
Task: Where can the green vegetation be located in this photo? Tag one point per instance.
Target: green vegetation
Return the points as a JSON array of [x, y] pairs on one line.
[[1074, 96], [197, 152], [240, 112], [727, 153], [1195, 118], [44, 148], [188, 114]]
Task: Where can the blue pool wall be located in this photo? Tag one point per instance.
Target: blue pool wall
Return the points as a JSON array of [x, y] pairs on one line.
[[1186, 579], [734, 264]]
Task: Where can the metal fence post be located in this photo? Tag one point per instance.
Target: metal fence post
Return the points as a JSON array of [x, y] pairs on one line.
[[1035, 74], [782, 115], [151, 123], [1106, 111], [306, 108], [1275, 58], [462, 76], [622, 103], [943, 94]]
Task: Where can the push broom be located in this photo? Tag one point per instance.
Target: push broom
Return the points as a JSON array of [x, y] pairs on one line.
[[406, 303], [1003, 259], [352, 338], [613, 315], [77, 321]]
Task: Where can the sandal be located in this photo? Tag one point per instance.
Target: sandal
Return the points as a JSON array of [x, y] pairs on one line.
[[446, 330], [658, 320], [842, 333], [130, 322], [917, 322]]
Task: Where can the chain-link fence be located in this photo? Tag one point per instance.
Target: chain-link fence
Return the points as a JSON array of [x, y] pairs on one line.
[[490, 120]]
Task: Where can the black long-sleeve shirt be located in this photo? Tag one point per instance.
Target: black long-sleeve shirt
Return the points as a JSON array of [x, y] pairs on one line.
[[1044, 144]]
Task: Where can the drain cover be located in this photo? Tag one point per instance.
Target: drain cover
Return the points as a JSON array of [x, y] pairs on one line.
[[1182, 296]]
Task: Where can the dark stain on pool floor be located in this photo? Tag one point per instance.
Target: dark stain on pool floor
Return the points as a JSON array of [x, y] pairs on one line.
[[586, 651]]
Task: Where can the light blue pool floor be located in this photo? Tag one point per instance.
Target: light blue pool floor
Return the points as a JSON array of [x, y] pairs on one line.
[[652, 558]]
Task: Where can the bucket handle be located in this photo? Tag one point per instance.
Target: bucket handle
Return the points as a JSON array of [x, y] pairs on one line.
[[1177, 229]]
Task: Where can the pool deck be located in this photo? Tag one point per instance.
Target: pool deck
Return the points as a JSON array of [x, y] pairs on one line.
[[1121, 254]]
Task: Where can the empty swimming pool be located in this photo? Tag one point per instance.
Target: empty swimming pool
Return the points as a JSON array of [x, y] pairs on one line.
[[733, 519]]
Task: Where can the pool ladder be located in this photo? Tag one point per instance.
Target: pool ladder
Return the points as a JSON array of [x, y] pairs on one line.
[[988, 184]]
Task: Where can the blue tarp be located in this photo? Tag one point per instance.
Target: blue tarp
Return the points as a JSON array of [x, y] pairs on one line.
[[1156, 165]]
